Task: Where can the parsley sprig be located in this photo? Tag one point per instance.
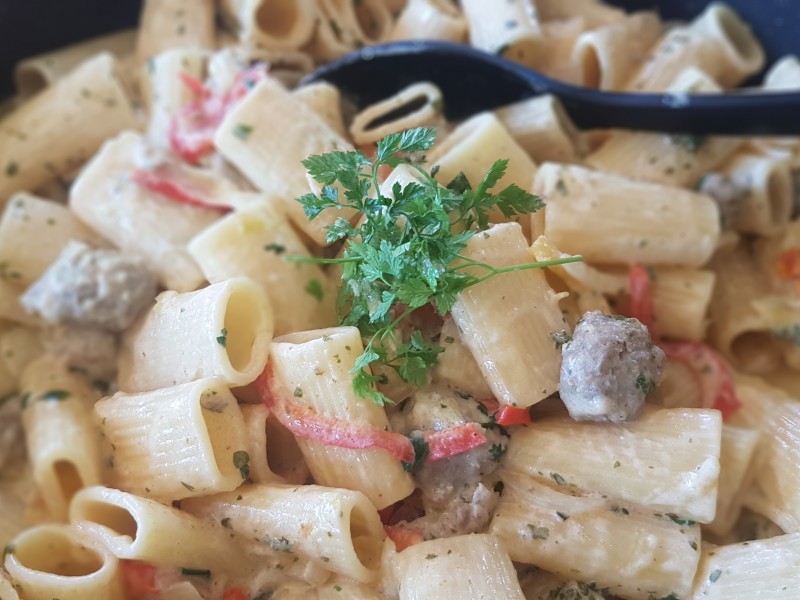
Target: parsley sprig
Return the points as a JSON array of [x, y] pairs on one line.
[[405, 251]]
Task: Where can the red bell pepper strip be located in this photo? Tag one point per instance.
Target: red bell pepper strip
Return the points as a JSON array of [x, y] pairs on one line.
[[510, 415], [304, 422], [715, 378], [642, 307], [139, 577], [787, 265], [235, 593], [169, 187], [402, 536], [453, 441], [192, 129], [195, 85], [716, 383]]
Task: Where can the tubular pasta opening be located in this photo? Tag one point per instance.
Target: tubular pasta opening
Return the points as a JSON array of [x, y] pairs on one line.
[[241, 319], [116, 518], [756, 351], [366, 545], [30, 81], [68, 479], [408, 107], [590, 66], [276, 18], [49, 549], [779, 194], [740, 36]]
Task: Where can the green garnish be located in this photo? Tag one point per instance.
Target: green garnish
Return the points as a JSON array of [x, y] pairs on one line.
[[241, 460], [54, 395], [186, 571], [678, 520], [497, 451], [647, 386], [281, 544], [421, 451], [406, 249], [242, 131], [222, 338], [276, 248], [560, 338], [314, 287]]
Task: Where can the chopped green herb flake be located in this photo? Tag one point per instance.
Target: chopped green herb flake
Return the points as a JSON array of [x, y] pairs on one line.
[[646, 385], [538, 533], [187, 486], [12, 169], [689, 143], [281, 544], [790, 333], [276, 248], [241, 460], [678, 520], [421, 451], [222, 338], [497, 451], [314, 287], [558, 479], [54, 395], [242, 131], [562, 516], [430, 556], [560, 338], [298, 392], [617, 464], [337, 587], [715, 574], [226, 523], [186, 571]]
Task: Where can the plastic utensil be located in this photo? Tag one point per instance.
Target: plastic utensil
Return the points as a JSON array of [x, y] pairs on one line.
[[472, 81]]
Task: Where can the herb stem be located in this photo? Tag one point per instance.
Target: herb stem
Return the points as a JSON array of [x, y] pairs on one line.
[[320, 260]]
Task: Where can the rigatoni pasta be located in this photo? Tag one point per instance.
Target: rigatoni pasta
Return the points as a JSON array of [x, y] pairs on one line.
[[404, 433]]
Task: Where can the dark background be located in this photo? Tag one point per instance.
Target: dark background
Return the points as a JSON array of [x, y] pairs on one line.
[[28, 27]]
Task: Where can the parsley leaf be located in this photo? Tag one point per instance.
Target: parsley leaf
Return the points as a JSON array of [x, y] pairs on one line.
[[406, 251]]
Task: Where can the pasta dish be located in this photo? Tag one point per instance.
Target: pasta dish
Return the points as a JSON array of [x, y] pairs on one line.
[[257, 343]]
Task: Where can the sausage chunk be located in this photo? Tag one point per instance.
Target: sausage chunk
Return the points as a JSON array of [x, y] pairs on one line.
[[608, 368], [726, 193], [455, 494], [92, 288]]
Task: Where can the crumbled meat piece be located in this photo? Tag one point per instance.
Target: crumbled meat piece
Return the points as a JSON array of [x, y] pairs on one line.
[[726, 193], [459, 516], [88, 351], [92, 288], [608, 368], [455, 495]]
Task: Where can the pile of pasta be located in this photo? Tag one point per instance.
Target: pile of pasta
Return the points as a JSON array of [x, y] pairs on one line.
[[151, 463]]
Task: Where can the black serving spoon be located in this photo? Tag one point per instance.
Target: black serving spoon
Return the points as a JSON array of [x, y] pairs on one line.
[[472, 80]]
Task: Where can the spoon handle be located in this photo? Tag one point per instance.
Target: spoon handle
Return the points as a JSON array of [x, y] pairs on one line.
[[731, 113], [473, 81]]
